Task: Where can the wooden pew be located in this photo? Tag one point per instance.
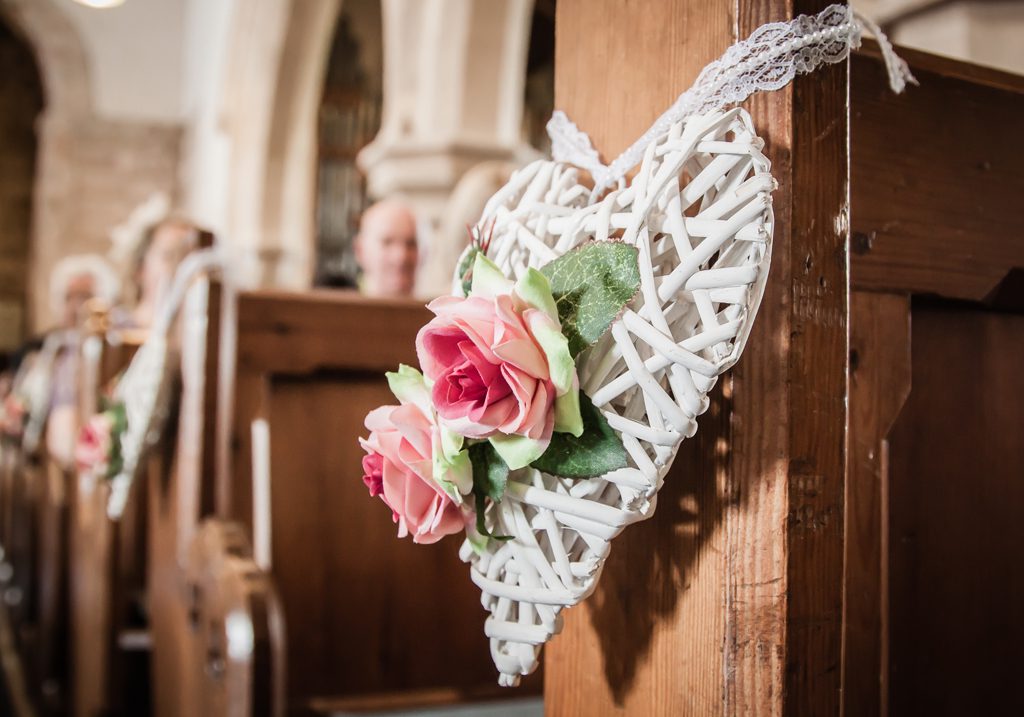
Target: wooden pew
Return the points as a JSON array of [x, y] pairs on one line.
[[35, 537], [370, 621], [809, 556], [935, 502], [111, 636], [26, 473], [50, 656], [181, 495], [106, 673]]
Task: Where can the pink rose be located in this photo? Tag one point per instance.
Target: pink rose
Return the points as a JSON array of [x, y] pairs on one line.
[[408, 466], [92, 450], [500, 363], [489, 374], [14, 413]]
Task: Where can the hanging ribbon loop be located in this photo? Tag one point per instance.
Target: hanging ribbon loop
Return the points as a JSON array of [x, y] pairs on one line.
[[769, 59]]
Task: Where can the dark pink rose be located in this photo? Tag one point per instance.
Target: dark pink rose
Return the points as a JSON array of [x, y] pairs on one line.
[[490, 374], [92, 450], [399, 468]]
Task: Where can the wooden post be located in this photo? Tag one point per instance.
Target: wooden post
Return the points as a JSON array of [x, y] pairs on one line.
[[729, 601]]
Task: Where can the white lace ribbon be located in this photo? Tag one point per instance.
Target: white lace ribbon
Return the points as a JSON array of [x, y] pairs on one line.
[[767, 60], [144, 386]]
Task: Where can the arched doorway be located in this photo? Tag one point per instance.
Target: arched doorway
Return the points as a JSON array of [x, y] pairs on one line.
[[349, 118], [21, 103]]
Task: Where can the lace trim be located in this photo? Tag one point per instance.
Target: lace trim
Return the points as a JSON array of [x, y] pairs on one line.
[[767, 60]]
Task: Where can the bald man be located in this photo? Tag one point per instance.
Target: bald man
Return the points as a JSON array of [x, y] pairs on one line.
[[386, 250]]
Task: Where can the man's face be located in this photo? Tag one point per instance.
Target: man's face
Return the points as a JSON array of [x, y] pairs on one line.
[[80, 289], [387, 251]]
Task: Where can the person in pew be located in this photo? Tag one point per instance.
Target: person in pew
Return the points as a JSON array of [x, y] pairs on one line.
[[387, 250], [160, 250], [74, 281]]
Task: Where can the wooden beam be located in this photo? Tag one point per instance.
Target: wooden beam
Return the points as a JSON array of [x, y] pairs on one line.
[[879, 386], [729, 600], [934, 175]]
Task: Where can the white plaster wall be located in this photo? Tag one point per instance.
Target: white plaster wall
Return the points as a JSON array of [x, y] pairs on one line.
[[206, 155], [135, 56], [983, 33]]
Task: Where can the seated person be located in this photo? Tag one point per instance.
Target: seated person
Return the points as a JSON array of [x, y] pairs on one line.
[[386, 250], [54, 376], [161, 250]]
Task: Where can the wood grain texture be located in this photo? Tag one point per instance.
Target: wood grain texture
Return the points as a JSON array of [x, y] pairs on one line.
[[880, 378], [50, 650], [180, 492], [391, 621], [935, 177], [751, 519], [226, 680], [649, 641], [106, 567], [956, 518], [797, 365]]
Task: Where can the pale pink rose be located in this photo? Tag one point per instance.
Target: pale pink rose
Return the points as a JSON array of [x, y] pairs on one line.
[[398, 467], [490, 374], [13, 415], [92, 450]]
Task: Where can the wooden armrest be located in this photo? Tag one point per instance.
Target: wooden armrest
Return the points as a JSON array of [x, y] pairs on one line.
[[238, 634]]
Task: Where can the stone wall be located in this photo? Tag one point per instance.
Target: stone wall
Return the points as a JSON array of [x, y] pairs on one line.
[[91, 169], [21, 100], [93, 172]]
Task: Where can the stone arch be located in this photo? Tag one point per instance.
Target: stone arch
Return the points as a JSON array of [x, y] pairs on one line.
[[59, 54], [271, 114], [63, 66], [21, 103]]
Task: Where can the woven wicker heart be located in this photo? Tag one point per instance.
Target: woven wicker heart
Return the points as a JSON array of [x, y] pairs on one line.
[[699, 212]]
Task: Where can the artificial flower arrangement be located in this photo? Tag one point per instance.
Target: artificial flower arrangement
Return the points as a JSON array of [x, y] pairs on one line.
[[15, 415], [498, 391], [98, 448]]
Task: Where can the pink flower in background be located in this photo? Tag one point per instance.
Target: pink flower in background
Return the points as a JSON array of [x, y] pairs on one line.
[[14, 413], [93, 448], [418, 473]]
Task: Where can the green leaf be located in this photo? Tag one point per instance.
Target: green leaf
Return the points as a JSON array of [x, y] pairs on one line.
[[591, 284], [409, 386], [487, 280], [598, 451], [535, 289], [490, 473], [568, 418], [465, 270], [490, 476], [119, 424], [517, 451]]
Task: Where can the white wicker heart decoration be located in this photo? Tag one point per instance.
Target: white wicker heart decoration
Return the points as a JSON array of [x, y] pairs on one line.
[[697, 221], [699, 212]]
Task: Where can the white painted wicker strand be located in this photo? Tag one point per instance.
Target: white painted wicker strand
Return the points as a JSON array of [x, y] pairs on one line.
[[146, 385], [699, 212], [769, 59]]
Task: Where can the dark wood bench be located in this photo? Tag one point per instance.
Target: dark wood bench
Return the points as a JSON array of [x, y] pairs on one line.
[[843, 532], [107, 659], [935, 497], [369, 621]]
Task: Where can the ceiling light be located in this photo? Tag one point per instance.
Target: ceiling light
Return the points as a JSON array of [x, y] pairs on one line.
[[100, 3]]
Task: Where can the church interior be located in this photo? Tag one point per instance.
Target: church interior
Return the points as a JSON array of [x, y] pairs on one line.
[[232, 228]]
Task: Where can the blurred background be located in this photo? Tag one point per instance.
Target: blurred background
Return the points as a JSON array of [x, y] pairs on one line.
[[274, 122], [342, 144]]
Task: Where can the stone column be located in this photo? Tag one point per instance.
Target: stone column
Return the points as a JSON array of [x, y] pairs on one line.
[[453, 96]]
